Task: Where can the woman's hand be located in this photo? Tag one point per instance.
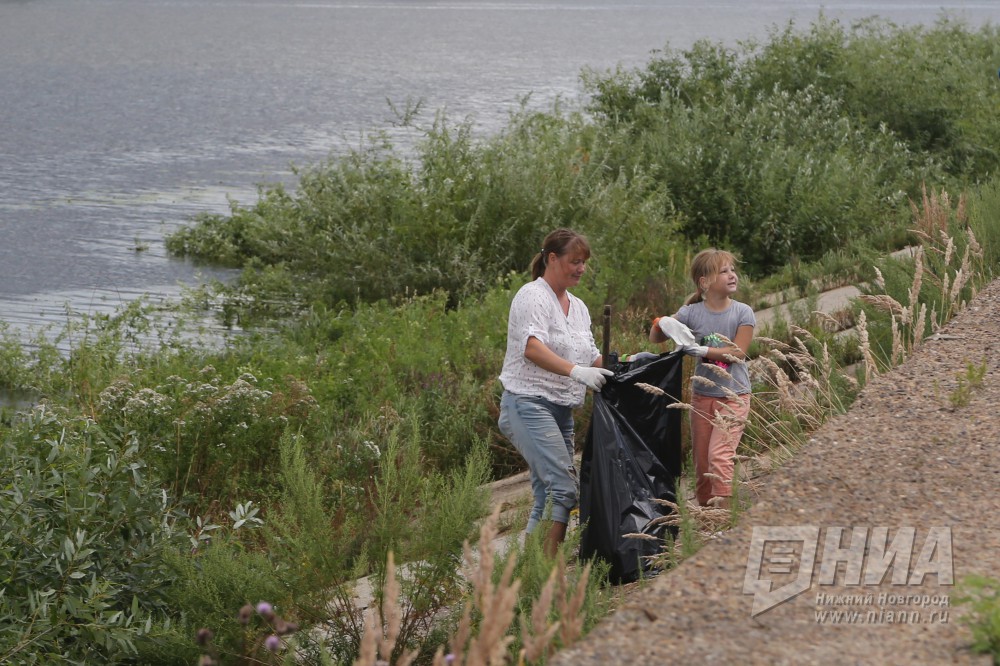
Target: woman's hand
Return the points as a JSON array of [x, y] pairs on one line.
[[591, 377]]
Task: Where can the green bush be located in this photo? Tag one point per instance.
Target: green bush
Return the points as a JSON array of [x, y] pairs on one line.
[[210, 585], [934, 87], [418, 356], [208, 432], [786, 149], [311, 550], [320, 547], [781, 178], [14, 372], [781, 172], [83, 533], [372, 225]]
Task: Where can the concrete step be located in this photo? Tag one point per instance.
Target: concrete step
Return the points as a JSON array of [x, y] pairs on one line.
[[828, 302]]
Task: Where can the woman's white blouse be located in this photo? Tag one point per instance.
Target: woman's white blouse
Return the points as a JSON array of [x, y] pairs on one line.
[[535, 312]]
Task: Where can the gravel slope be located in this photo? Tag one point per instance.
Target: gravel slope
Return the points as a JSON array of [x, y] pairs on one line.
[[901, 457]]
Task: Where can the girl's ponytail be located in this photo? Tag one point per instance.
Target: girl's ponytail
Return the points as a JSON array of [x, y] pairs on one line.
[[693, 298]]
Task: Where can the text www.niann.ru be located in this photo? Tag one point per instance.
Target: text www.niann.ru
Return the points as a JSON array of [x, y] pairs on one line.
[[882, 616]]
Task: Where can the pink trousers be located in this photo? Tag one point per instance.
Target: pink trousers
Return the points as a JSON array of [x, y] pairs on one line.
[[714, 443]]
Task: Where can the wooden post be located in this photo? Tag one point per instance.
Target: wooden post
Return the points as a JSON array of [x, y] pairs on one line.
[[606, 344]]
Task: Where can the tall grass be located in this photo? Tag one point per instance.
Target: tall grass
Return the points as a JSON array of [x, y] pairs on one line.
[[514, 613], [948, 268]]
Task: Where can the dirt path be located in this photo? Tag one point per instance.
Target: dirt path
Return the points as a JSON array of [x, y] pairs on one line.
[[902, 457]]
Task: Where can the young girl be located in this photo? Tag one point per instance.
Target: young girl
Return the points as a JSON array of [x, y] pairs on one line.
[[723, 329]]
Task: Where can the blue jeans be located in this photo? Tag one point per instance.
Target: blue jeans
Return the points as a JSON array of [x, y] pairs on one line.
[[542, 432]]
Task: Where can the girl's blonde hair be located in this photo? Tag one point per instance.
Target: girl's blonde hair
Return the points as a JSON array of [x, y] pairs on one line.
[[707, 263], [562, 242]]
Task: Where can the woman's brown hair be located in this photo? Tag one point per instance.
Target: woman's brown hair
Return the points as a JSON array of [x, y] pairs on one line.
[[562, 242]]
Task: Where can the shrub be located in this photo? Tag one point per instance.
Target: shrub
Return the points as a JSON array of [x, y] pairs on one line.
[[782, 173], [424, 518], [786, 177], [931, 86], [84, 531], [209, 583], [374, 225], [209, 437]]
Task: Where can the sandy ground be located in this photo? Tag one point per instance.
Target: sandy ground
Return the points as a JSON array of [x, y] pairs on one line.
[[903, 458]]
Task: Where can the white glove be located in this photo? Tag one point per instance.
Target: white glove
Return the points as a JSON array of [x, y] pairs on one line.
[[676, 331], [693, 350], [590, 376]]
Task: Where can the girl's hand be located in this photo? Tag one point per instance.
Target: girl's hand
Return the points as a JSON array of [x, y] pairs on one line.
[[694, 350], [676, 331]]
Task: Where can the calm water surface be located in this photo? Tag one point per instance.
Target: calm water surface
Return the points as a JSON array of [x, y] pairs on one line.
[[121, 119]]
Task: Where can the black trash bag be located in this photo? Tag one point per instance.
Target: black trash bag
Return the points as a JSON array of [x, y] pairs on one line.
[[632, 454]]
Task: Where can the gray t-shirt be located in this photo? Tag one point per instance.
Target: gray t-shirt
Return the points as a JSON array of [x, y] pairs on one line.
[[703, 323]]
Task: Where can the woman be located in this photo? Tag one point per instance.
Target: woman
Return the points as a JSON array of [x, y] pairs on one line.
[[551, 360]]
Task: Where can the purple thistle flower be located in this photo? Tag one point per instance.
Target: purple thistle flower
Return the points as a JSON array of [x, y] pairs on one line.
[[272, 643], [264, 608]]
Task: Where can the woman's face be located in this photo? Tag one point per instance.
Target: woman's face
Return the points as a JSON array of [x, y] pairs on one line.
[[565, 271]]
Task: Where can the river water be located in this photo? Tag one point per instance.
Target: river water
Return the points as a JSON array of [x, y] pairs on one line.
[[122, 119]]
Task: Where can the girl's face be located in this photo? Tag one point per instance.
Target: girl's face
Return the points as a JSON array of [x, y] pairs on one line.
[[566, 271], [723, 283]]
